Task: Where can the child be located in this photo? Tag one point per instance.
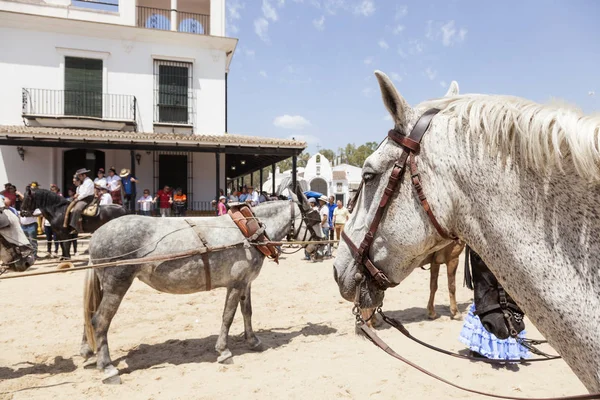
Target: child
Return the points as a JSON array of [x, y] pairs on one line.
[[145, 203]]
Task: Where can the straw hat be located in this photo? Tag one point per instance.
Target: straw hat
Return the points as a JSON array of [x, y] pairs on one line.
[[124, 172], [324, 198]]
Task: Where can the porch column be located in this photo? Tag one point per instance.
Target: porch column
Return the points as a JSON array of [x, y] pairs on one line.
[[174, 15], [132, 201], [273, 174], [252, 179], [261, 180], [218, 177], [294, 170]]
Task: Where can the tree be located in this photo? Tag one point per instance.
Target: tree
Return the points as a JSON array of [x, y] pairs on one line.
[[356, 156], [328, 154], [287, 163]]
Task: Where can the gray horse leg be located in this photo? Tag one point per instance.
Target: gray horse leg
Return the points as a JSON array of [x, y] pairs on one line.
[[113, 292], [246, 306], [231, 302]]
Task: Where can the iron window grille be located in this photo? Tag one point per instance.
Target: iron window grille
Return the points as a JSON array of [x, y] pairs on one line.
[[173, 92]]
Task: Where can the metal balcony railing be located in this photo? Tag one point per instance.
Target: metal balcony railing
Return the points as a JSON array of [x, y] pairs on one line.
[[72, 103], [160, 18]]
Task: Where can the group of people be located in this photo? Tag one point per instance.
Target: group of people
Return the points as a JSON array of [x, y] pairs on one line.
[[333, 218], [167, 199]]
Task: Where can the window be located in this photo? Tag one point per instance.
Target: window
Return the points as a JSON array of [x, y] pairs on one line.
[[173, 92], [83, 87], [318, 159], [339, 186], [318, 170]]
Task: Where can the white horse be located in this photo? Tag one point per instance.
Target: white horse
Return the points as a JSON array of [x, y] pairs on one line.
[[518, 182]]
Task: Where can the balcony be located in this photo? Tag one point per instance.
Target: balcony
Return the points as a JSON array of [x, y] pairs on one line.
[[79, 109], [172, 20]]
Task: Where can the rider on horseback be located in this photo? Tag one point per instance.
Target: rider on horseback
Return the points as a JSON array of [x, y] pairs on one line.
[[83, 197]]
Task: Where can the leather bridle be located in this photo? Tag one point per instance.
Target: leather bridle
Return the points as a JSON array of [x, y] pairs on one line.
[[411, 145], [307, 217]]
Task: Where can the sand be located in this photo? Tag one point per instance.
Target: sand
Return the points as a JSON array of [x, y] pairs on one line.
[[164, 344]]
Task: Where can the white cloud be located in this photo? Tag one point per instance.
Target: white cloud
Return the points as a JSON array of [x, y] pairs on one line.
[[263, 73], [416, 47], [429, 30], [291, 122], [365, 8], [448, 31], [367, 92], [396, 77], [261, 28], [319, 23], [233, 14], [383, 44], [430, 73], [591, 93], [462, 34], [368, 61], [269, 11], [398, 29], [401, 12], [443, 84], [280, 3], [387, 118], [249, 52]]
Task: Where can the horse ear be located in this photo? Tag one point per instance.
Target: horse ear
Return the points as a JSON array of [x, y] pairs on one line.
[[393, 101], [452, 90]]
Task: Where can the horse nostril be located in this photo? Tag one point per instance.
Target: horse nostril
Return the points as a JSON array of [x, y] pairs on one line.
[[488, 327]]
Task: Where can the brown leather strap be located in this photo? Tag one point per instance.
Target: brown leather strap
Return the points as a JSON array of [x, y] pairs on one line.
[[204, 255], [416, 181], [377, 341], [377, 274]]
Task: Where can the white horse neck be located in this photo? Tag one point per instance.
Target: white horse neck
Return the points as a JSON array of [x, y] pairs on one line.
[[539, 234], [277, 217]]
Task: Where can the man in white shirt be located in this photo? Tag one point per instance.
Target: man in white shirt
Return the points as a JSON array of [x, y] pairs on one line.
[[252, 196], [29, 224], [83, 197]]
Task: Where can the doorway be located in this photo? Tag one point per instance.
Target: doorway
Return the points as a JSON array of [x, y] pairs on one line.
[[173, 171], [80, 158]]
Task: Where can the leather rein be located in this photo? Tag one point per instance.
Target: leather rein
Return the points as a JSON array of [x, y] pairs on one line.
[[411, 146]]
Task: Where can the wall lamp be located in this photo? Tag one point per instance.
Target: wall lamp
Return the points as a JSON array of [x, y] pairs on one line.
[[138, 158]]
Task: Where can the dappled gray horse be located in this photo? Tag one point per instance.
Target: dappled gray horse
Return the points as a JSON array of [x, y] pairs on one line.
[[137, 237], [16, 252]]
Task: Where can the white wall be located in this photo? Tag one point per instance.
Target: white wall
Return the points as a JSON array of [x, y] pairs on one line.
[[204, 176], [124, 16], [35, 59]]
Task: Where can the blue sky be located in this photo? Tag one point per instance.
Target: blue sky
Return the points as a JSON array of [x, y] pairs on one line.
[[304, 68]]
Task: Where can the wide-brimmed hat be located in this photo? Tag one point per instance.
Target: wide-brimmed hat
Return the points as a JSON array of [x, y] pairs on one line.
[[324, 198], [124, 172], [34, 184], [82, 171], [222, 197]]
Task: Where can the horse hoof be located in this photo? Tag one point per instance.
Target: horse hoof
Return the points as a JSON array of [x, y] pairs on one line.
[[225, 358], [432, 316], [256, 346], [90, 363], [111, 376]]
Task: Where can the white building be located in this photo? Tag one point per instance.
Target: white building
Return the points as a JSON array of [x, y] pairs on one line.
[[141, 86], [340, 181]]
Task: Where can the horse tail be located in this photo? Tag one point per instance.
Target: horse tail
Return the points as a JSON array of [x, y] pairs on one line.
[[92, 295]]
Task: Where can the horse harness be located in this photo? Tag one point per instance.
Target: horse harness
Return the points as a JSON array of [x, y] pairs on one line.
[[411, 146]]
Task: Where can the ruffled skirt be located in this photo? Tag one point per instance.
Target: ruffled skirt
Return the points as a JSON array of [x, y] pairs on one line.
[[476, 338]]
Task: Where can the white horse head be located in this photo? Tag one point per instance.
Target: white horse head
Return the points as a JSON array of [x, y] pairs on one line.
[[517, 181]]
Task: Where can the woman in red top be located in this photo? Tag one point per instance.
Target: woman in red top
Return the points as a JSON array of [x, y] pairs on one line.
[[165, 200], [221, 205]]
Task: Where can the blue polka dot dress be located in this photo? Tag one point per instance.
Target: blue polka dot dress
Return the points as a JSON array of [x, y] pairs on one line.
[[476, 338]]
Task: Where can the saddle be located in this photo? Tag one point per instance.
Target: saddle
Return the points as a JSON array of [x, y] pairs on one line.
[[92, 210], [252, 229]]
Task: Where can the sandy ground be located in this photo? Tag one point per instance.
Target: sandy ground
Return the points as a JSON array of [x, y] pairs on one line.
[[164, 344]]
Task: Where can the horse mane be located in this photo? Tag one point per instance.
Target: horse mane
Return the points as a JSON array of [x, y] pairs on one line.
[[541, 136], [45, 198]]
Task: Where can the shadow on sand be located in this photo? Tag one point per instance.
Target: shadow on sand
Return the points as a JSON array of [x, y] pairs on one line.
[[191, 351]]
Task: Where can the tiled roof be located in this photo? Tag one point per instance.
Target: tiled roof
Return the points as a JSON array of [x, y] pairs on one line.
[[339, 175], [16, 131]]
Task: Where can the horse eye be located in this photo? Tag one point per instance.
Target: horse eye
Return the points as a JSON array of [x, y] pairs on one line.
[[368, 176]]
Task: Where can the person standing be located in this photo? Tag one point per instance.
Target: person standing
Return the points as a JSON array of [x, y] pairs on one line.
[[105, 197], [29, 224], [165, 201], [114, 181], [179, 203], [101, 178], [128, 182], [340, 216], [221, 206], [50, 235], [83, 197], [145, 203], [332, 207], [324, 213]]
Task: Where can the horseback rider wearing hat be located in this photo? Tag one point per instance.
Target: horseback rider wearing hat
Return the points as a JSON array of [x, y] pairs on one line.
[[83, 197]]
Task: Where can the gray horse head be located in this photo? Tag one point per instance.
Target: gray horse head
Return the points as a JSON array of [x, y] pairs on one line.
[[15, 250]]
